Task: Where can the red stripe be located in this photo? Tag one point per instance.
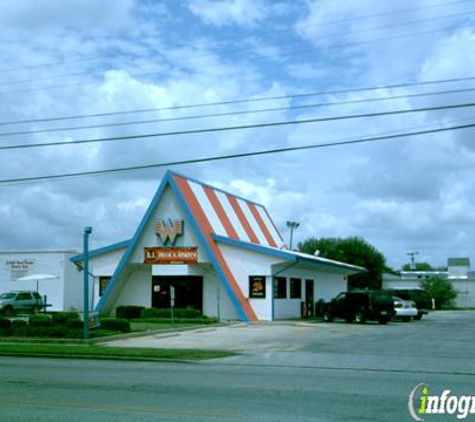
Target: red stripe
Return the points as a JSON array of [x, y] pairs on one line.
[[211, 194], [242, 218], [206, 229], [272, 222], [261, 224]]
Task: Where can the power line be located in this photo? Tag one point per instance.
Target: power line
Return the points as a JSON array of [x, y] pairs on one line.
[[243, 101], [238, 113], [231, 156], [240, 127], [290, 28], [289, 54], [280, 44]]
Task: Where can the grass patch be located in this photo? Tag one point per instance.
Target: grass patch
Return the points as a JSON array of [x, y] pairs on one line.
[[100, 352]]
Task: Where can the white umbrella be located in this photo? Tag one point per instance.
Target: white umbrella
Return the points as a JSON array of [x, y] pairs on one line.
[[38, 278]]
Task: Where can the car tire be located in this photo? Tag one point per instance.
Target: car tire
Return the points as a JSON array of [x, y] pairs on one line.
[[383, 321], [9, 311], [360, 316], [418, 317], [327, 317]]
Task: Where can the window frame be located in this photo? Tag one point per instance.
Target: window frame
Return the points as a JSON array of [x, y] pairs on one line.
[[280, 293], [295, 281]]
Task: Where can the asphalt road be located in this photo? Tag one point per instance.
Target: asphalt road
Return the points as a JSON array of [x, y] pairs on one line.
[[334, 372]]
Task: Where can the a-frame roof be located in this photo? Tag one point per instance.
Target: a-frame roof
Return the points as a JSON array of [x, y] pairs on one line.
[[211, 212]]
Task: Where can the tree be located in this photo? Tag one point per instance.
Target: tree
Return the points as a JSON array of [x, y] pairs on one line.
[[420, 266], [441, 291], [351, 250]]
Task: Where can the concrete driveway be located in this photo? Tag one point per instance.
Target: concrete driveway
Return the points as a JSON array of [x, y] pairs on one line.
[[247, 338]]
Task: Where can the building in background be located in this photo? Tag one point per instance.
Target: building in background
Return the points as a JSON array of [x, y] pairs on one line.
[[458, 273], [63, 292]]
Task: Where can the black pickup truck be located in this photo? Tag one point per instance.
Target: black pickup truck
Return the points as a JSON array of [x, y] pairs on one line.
[[360, 306]]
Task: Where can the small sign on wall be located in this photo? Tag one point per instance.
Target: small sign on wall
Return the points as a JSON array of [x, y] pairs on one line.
[[257, 287], [19, 267], [166, 256]]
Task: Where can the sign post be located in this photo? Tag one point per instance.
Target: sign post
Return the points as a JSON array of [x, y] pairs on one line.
[[172, 301]]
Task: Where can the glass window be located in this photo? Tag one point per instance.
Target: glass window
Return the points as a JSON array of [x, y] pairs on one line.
[[103, 282], [295, 288], [280, 288], [257, 287]]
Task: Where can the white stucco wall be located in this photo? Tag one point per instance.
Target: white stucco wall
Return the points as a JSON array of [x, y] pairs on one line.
[[243, 263], [138, 288], [54, 263], [465, 293]]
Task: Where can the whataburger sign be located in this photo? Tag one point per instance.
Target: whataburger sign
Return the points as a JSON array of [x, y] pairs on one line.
[[170, 255]]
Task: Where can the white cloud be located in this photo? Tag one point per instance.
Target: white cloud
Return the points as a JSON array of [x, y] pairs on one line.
[[229, 12]]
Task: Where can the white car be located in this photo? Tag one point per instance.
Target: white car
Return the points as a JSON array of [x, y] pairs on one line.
[[405, 309]]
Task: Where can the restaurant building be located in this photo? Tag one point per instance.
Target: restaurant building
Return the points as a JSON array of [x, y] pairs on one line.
[[199, 246]]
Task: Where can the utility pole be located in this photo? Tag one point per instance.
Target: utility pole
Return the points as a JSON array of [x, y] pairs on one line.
[[413, 262], [292, 225], [87, 232]]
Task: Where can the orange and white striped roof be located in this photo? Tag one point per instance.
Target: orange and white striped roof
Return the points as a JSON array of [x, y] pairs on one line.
[[227, 215]]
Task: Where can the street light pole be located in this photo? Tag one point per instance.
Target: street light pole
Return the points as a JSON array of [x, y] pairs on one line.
[[292, 225], [87, 232]]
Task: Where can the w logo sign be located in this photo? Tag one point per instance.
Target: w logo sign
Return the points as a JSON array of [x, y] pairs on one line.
[[169, 232]]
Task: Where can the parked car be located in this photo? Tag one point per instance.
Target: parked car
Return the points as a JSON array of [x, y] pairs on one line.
[[360, 306], [422, 299], [405, 309], [20, 301]]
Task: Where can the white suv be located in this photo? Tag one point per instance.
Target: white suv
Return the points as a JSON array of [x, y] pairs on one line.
[[20, 301]]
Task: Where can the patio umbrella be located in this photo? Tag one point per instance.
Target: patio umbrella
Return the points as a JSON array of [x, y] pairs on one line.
[[38, 278]]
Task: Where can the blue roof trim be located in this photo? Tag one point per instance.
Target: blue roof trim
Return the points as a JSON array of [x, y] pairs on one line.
[[217, 189], [101, 251], [133, 242], [277, 253], [288, 255], [207, 247]]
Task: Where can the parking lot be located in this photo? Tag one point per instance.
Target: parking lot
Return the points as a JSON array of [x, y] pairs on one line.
[[441, 341]]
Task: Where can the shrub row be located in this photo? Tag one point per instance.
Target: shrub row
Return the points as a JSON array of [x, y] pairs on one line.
[[189, 313], [140, 312], [60, 325], [129, 312], [115, 324]]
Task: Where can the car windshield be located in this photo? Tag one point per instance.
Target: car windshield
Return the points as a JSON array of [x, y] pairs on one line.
[[7, 296]]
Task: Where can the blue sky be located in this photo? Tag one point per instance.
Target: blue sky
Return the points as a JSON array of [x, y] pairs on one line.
[[85, 57]]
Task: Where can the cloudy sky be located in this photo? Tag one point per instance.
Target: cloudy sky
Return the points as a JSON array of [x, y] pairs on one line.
[[89, 60]]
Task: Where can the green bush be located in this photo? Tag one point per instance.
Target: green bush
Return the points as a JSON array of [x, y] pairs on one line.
[[38, 331], [129, 311], [190, 313], [6, 332], [113, 324], [5, 323], [16, 323], [62, 317], [441, 290], [74, 324], [40, 321]]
